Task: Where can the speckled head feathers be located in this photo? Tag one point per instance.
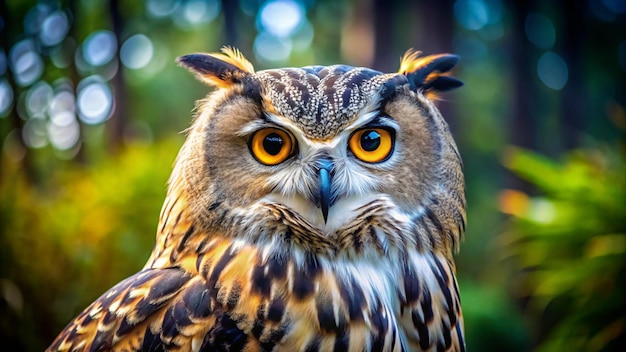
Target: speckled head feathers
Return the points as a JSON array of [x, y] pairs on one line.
[[323, 99]]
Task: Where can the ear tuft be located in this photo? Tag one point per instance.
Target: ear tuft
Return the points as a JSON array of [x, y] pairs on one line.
[[429, 74], [218, 69]]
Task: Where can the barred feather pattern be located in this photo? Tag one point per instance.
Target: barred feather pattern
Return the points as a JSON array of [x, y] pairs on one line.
[[219, 293]]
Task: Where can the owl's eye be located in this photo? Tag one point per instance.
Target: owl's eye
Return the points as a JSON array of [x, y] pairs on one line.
[[372, 145], [271, 146]]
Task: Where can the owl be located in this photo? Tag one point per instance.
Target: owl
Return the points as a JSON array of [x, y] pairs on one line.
[[309, 209]]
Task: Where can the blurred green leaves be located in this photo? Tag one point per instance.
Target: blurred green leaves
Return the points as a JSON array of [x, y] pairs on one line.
[[80, 230], [568, 244]]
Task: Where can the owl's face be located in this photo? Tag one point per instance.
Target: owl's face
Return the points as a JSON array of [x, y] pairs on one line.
[[319, 143]]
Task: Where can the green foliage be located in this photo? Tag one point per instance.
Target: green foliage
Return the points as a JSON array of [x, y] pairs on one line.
[[570, 243], [491, 320], [71, 238]]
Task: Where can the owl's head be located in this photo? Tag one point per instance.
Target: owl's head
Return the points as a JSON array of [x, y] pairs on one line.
[[314, 153]]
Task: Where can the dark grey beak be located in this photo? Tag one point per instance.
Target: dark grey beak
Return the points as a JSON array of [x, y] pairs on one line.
[[325, 178]]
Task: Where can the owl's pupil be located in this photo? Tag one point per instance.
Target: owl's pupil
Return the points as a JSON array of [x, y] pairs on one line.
[[273, 143], [370, 141]]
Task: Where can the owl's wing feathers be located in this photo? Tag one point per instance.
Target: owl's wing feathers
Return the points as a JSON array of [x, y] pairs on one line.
[[162, 309], [120, 317], [235, 301], [432, 316]]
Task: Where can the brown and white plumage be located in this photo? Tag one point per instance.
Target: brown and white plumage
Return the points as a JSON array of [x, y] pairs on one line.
[[319, 251]]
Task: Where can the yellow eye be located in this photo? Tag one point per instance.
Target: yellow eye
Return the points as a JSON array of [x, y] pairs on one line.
[[371, 145], [271, 146]]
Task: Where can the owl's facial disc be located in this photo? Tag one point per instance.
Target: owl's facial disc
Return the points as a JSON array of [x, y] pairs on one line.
[[325, 181]]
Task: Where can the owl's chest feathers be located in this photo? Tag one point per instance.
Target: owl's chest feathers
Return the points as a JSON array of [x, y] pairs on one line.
[[363, 304], [270, 275], [366, 285]]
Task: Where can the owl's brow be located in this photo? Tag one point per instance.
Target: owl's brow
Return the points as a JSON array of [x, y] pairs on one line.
[[382, 120], [265, 120], [373, 118]]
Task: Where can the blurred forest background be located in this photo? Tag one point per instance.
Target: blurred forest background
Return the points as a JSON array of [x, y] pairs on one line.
[[92, 105]]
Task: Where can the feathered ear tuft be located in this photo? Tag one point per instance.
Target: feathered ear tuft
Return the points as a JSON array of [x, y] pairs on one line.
[[218, 69], [429, 74]]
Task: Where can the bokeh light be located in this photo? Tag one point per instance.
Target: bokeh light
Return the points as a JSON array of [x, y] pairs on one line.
[[201, 11], [3, 61], [34, 133], [99, 48], [272, 48], [62, 103], [137, 51], [35, 17], [281, 17], [249, 7], [64, 131], [95, 100], [161, 8], [6, 97], [552, 70], [540, 30], [283, 27], [54, 28], [25, 62], [196, 12], [37, 99], [303, 37], [476, 14]]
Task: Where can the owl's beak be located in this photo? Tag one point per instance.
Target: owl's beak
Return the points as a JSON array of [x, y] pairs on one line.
[[325, 169]]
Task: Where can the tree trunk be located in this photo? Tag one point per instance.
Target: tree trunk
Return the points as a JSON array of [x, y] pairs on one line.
[[572, 107], [522, 120], [383, 13], [15, 124], [433, 34], [118, 121], [229, 8]]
